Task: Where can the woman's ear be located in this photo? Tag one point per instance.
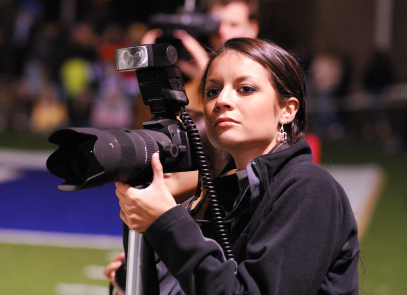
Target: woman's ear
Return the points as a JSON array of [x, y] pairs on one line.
[[290, 109]]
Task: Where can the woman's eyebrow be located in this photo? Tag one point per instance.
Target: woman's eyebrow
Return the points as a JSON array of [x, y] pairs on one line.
[[238, 79], [246, 77], [212, 80]]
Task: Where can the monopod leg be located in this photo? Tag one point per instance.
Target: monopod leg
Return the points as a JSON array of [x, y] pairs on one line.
[[137, 259]]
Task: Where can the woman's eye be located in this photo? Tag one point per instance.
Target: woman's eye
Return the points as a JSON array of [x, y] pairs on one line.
[[210, 93], [247, 89]]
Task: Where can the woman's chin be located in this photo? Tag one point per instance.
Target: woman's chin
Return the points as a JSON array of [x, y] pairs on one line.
[[224, 138], [226, 143]]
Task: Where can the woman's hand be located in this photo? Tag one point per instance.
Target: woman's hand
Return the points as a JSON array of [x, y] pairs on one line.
[[110, 270], [141, 207]]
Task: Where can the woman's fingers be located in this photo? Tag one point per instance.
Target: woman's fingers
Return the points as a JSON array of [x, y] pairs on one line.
[[110, 270], [141, 207], [123, 217], [158, 174]]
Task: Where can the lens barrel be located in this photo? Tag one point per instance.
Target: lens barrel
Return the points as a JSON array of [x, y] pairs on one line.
[[89, 157]]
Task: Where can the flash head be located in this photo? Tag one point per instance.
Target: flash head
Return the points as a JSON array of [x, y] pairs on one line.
[[143, 56]]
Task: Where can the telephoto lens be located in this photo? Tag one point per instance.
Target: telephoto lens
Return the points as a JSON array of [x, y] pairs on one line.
[[89, 157]]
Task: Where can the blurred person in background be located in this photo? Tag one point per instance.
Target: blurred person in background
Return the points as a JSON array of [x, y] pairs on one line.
[[41, 97], [238, 18], [39, 70], [48, 112], [46, 50], [328, 73], [77, 73]]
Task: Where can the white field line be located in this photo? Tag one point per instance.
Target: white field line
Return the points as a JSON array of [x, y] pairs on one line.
[[358, 181], [94, 272], [13, 161], [68, 240], [24, 158], [363, 185], [80, 289]]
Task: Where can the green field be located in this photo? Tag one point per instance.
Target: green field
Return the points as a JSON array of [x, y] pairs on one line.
[[45, 270], [39, 269], [384, 244]]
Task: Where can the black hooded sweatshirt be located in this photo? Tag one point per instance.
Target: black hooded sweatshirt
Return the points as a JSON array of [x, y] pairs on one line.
[[295, 233]]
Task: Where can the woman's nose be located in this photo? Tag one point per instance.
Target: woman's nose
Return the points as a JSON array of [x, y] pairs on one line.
[[225, 99]]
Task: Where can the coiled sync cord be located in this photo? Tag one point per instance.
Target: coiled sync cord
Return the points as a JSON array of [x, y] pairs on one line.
[[214, 205]]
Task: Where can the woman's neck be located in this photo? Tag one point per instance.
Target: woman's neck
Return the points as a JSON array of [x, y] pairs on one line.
[[243, 156]]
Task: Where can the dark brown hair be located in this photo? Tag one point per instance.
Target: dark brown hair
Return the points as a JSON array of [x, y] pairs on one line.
[[286, 75]]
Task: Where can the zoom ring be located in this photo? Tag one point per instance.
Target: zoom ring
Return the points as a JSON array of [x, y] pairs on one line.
[[150, 148]]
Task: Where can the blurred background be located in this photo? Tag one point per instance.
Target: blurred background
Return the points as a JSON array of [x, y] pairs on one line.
[[57, 70]]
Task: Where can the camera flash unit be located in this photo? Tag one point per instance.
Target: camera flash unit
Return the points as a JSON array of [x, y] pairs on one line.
[[143, 56]]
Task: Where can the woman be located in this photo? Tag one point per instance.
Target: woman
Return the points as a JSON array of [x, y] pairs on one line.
[[292, 229]]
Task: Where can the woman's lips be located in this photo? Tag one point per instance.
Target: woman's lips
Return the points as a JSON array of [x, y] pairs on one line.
[[224, 122]]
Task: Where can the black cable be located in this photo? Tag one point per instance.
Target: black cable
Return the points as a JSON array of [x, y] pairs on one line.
[[214, 205]]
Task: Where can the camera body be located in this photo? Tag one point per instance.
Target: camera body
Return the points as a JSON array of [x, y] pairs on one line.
[[89, 157], [199, 24], [194, 23]]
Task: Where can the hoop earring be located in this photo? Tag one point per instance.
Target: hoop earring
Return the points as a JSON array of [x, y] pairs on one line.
[[282, 135]]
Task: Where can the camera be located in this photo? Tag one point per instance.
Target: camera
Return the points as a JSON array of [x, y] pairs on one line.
[[197, 23], [193, 22], [90, 157]]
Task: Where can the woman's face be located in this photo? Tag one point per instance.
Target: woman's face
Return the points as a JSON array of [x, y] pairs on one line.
[[241, 107]]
